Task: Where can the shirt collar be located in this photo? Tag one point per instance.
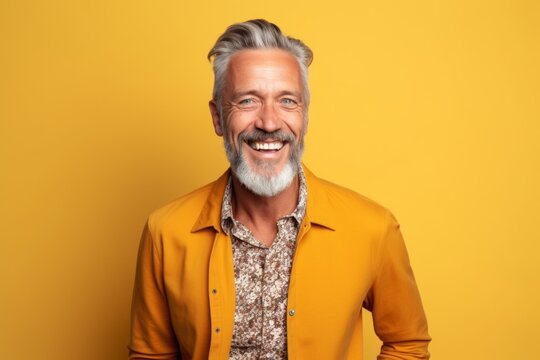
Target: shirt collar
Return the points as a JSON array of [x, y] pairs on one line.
[[320, 208], [227, 218]]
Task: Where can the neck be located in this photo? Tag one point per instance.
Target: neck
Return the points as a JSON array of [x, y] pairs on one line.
[[249, 207]]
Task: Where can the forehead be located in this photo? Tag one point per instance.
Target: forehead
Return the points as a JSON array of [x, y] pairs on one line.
[[269, 66]]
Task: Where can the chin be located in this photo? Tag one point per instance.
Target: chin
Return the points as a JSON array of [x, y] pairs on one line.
[[267, 182]]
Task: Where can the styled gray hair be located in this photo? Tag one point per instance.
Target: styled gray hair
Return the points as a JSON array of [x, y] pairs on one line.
[[255, 34]]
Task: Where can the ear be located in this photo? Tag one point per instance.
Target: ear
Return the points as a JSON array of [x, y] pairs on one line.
[[215, 118]]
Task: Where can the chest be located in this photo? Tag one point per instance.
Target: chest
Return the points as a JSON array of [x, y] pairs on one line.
[[327, 268]]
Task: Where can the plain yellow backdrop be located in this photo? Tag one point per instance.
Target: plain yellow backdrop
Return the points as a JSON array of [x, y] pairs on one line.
[[431, 108]]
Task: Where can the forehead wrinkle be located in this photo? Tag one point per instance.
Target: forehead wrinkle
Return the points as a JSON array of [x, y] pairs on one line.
[[249, 73]]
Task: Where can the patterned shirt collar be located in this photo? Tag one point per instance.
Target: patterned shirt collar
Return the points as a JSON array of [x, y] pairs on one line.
[[227, 218]]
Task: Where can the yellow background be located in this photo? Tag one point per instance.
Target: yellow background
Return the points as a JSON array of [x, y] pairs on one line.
[[432, 108]]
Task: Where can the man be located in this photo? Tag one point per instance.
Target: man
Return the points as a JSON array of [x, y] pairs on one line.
[[269, 261]]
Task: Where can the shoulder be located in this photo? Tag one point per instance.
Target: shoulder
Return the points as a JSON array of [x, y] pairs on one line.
[[181, 206], [183, 213], [341, 207], [344, 196]]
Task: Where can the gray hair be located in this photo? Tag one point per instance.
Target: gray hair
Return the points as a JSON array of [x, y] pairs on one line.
[[255, 34]]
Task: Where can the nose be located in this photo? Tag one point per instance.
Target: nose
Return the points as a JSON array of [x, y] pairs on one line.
[[268, 119]]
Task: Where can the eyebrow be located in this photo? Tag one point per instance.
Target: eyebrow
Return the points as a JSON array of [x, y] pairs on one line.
[[237, 94]]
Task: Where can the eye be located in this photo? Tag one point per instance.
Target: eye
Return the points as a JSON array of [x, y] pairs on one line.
[[247, 103], [288, 102]]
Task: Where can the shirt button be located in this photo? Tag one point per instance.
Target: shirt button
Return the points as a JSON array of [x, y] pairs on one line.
[[292, 312], [218, 330], [214, 291]]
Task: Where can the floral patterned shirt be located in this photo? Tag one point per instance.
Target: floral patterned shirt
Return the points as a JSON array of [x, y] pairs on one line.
[[261, 282]]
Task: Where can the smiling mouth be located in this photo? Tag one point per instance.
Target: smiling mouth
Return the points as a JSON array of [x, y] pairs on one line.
[[266, 146]]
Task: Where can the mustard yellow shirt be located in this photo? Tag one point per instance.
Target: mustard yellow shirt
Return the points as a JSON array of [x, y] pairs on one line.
[[183, 301]]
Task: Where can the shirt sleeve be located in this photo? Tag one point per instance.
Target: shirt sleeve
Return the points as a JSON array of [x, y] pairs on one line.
[[152, 335], [394, 300]]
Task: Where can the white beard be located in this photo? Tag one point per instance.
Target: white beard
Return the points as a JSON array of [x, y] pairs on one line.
[[262, 180], [265, 184]]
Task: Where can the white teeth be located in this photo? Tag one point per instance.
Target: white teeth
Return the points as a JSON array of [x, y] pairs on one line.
[[267, 146]]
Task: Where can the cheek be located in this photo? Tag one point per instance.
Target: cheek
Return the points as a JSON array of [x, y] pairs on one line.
[[238, 122], [232, 133], [296, 122]]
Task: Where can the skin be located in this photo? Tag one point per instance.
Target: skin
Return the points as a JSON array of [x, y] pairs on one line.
[[263, 91]]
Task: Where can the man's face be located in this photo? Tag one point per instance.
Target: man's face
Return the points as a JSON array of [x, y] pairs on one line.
[[264, 118]]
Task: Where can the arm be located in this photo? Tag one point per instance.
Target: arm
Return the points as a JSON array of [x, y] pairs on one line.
[[152, 335], [394, 300]]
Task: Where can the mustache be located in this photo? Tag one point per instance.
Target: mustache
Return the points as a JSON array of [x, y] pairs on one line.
[[259, 135]]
